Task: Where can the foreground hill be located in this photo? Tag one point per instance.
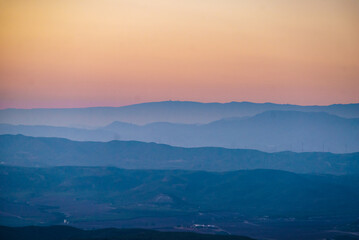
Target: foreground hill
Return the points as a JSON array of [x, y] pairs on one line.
[[30, 151], [85, 193], [171, 111], [70, 233], [269, 131], [264, 204]]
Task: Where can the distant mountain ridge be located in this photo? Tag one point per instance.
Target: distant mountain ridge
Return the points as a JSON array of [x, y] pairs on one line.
[[270, 131], [20, 150], [168, 111]]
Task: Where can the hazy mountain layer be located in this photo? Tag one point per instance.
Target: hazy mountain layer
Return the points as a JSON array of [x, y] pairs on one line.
[[269, 131], [172, 111], [29, 151]]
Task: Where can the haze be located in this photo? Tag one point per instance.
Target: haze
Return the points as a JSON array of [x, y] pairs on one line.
[[95, 53]]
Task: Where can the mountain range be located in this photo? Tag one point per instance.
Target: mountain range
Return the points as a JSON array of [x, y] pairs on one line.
[[270, 131], [170, 111], [268, 171], [20, 150]]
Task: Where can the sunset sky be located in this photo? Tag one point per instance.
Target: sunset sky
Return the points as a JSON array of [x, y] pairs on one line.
[[81, 53]]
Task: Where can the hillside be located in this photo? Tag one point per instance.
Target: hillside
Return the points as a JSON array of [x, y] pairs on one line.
[[86, 195], [29, 151]]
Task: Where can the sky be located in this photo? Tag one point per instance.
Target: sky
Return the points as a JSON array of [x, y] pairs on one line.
[[81, 53]]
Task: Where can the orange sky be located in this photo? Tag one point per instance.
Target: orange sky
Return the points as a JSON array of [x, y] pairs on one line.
[[76, 53]]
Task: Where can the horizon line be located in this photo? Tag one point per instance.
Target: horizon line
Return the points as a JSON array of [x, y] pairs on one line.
[[178, 101]]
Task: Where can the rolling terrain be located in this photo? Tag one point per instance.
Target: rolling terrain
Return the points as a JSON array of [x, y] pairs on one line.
[[266, 171], [238, 202], [20, 150]]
